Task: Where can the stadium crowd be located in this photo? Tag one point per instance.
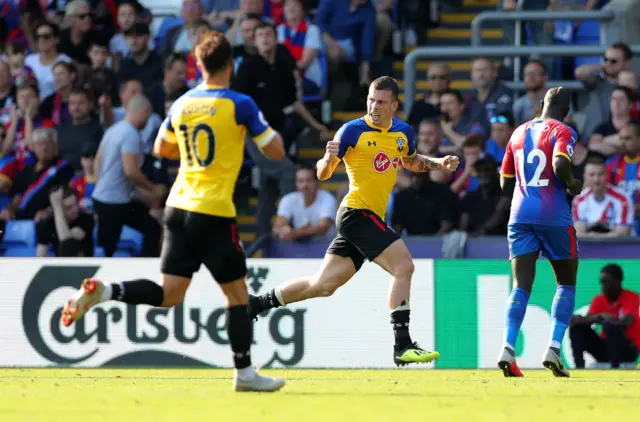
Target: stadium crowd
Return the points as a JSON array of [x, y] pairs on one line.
[[85, 86]]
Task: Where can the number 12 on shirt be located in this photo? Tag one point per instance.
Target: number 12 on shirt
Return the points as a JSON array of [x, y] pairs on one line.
[[535, 181], [191, 144]]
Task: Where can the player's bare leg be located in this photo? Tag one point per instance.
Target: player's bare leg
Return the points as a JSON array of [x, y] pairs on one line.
[[334, 273], [566, 272], [397, 261], [523, 268]]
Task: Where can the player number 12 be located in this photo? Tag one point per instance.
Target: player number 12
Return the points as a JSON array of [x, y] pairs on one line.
[[191, 144], [535, 181]]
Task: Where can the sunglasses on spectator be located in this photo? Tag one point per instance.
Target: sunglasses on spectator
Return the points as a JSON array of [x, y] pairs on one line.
[[46, 36], [609, 60], [82, 16], [499, 119], [438, 77]]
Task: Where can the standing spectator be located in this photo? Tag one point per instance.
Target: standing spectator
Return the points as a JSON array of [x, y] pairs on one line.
[[119, 160], [488, 95], [616, 309], [502, 126], [7, 95], [439, 76], [464, 178], [623, 170], [84, 183], [479, 216], [83, 129], [30, 191], [48, 37], [425, 209], [127, 16], [384, 26], [605, 139], [601, 210], [457, 122], [75, 41], [535, 81], [69, 230], [247, 47], [304, 42], [307, 213], [599, 80], [247, 8], [56, 105], [176, 39], [343, 24], [141, 64]]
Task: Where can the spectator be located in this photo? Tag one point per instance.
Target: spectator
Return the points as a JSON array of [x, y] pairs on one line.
[[68, 229], [488, 97], [141, 64], [601, 210], [426, 208], [48, 37], [622, 169], [430, 138], [502, 127], [119, 158], [307, 213], [384, 26], [83, 129], [7, 95], [343, 24], [30, 191], [599, 80], [75, 41], [304, 42], [247, 8], [127, 16], [457, 122], [248, 27], [193, 75], [101, 79], [176, 39], [628, 78], [173, 82], [274, 10], [439, 76], [616, 309], [16, 57], [479, 216], [605, 138], [56, 105], [221, 13], [84, 183], [535, 81], [464, 178]]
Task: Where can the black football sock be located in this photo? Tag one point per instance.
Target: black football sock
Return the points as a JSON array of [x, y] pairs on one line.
[[240, 332], [400, 322], [138, 292], [266, 301]]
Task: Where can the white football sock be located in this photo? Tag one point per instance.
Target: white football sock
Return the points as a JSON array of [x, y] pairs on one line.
[[245, 374]]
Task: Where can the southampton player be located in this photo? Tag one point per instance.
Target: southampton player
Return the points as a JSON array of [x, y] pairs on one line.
[[205, 129], [373, 149], [536, 171]]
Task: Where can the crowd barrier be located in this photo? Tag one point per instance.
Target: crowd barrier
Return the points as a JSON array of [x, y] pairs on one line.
[[457, 307]]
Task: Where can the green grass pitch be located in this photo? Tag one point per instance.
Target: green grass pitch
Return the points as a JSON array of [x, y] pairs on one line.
[[182, 395]]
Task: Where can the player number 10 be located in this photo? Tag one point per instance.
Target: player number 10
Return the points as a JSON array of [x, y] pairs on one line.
[[536, 181], [191, 144]]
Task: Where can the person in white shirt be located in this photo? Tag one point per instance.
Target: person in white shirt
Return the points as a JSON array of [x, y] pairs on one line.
[[306, 213], [42, 62], [601, 210]]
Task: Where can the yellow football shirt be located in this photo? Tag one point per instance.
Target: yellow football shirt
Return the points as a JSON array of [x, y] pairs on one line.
[[209, 124], [373, 156]]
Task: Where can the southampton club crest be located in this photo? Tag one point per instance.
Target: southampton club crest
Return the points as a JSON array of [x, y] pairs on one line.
[[401, 143]]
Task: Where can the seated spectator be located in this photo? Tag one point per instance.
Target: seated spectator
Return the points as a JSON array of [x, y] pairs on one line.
[[56, 105], [344, 24], [488, 97], [128, 12], [68, 230], [430, 138], [221, 14], [502, 127], [304, 42], [176, 39], [622, 169], [535, 81], [424, 209], [84, 183], [605, 139], [175, 74], [601, 210], [274, 10], [30, 191], [75, 41], [307, 213], [478, 208], [235, 34], [83, 129], [428, 107], [247, 47], [141, 64], [599, 80], [16, 57], [628, 78], [616, 310], [101, 80], [119, 157], [457, 122], [48, 36], [193, 75], [464, 178], [7, 96]]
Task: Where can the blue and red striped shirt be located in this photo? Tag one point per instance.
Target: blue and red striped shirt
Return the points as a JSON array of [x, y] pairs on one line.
[[624, 173]]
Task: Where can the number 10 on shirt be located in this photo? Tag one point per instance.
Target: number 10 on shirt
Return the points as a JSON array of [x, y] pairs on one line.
[[535, 181], [191, 144]]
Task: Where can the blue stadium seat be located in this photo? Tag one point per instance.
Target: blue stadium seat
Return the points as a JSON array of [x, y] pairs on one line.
[[20, 252], [4, 200], [98, 252], [130, 241], [122, 254], [20, 233], [587, 33], [323, 85], [166, 24]]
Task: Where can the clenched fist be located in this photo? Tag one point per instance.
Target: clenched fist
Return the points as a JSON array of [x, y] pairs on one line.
[[333, 147], [450, 163]]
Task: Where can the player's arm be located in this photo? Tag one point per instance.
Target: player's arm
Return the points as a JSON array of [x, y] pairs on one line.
[[268, 140], [508, 172], [562, 152], [166, 144], [419, 163], [346, 137]]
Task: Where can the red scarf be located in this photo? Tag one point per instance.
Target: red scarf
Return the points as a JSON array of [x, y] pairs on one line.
[[295, 42]]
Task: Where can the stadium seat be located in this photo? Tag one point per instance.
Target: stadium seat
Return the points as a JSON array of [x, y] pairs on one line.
[[4, 200], [130, 241], [122, 254], [166, 24], [98, 252], [20, 252], [20, 233], [587, 33]]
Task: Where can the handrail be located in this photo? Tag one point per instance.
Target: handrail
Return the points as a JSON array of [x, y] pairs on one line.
[[580, 15], [257, 245], [447, 53]]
